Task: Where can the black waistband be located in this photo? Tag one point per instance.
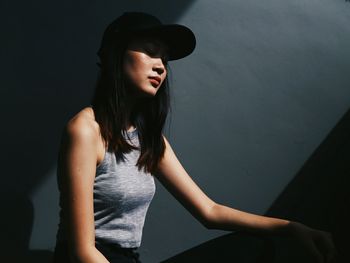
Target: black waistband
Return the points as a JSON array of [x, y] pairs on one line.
[[115, 248]]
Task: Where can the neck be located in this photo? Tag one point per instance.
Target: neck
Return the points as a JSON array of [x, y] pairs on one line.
[[132, 108], [133, 103]]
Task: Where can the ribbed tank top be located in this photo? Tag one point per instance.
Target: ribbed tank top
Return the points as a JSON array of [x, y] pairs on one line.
[[122, 195]]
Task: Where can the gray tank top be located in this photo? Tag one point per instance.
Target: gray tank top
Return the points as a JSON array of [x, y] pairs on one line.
[[122, 195]]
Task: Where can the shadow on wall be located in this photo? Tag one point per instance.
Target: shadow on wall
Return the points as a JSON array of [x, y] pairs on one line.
[[318, 196], [17, 223], [235, 247], [49, 74]]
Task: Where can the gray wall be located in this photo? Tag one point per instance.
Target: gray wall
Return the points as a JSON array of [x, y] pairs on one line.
[[266, 83]]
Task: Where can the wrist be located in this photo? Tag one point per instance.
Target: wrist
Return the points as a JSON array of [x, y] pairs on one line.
[[285, 228], [276, 226], [294, 228]]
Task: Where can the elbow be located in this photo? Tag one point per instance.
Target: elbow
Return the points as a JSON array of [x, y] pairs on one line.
[[208, 218]]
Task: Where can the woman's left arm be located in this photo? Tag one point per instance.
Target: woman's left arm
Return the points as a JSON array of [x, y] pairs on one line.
[[216, 216], [211, 214]]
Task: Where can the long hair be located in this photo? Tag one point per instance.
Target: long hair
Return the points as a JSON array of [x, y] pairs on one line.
[[109, 105]]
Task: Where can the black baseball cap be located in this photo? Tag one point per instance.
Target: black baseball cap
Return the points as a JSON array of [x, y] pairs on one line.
[[179, 39]]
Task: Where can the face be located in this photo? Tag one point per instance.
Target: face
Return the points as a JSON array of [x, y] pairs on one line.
[[144, 65]]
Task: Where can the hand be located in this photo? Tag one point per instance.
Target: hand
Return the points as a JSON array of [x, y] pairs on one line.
[[319, 243]]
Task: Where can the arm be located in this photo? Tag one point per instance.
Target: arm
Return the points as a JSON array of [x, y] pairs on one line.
[[212, 215], [77, 163]]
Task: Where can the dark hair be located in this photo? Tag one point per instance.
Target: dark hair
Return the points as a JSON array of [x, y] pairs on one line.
[[109, 107]]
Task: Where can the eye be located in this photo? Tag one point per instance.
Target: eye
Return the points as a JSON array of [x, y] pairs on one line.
[[151, 49], [154, 49]]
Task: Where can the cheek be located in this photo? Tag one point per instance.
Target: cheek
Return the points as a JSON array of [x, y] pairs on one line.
[[128, 64], [134, 65]]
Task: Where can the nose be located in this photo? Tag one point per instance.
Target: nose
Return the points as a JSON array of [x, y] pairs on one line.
[[158, 66]]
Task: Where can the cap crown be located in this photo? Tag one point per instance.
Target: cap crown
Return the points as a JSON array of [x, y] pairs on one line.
[[179, 39], [131, 21]]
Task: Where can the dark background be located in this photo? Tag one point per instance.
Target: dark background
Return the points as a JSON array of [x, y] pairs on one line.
[[260, 119]]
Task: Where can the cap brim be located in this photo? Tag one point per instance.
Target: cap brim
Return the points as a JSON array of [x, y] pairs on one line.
[[179, 39]]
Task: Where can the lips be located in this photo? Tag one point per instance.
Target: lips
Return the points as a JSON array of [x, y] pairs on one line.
[[155, 81]]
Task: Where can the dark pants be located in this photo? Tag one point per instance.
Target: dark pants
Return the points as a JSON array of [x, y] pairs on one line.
[[113, 253]]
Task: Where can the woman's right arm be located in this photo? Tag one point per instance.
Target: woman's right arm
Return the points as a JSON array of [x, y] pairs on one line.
[[78, 159]]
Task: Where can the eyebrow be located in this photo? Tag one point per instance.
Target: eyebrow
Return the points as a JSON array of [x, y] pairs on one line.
[[158, 42], [139, 43]]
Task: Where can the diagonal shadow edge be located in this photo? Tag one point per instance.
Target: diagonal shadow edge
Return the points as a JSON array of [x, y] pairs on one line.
[[316, 196]]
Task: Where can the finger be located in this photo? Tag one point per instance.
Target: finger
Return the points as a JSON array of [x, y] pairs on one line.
[[332, 256], [326, 245], [316, 254], [328, 240]]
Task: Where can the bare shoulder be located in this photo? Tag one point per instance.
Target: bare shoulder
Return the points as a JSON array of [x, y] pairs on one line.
[[82, 130], [83, 126]]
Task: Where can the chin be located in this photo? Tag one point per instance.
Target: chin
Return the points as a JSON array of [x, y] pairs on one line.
[[152, 94], [145, 91], [148, 93]]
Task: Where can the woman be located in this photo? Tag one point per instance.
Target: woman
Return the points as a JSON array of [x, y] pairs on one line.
[[112, 150]]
